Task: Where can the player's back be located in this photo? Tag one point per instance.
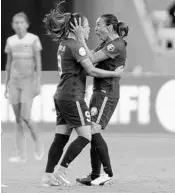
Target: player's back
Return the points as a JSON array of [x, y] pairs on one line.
[[116, 51], [72, 75], [22, 51]]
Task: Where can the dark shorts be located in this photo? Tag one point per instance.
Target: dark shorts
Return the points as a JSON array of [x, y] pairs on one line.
[[72, 113], [101, 108]]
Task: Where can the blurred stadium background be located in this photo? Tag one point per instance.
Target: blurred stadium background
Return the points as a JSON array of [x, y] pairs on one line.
[[141, 131]]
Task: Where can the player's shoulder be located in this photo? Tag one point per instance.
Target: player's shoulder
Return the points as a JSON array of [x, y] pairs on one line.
[[12, 38], [71, 43], [75, 46], [116, 44], [32, 36]]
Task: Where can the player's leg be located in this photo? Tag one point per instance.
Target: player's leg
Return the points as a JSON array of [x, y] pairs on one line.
[[55, 152], [105, 112], [101, 111], [26, 105], [95, 160], [14, 96], [101, 148], [78, 117], [61, 138], [25, 114]]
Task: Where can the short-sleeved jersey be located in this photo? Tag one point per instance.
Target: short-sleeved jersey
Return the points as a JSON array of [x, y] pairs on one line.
[[116, 51], [22, 51], [72, 75]]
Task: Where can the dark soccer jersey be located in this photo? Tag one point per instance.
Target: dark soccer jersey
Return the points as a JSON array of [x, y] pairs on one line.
[[73, 77], [116, 50]]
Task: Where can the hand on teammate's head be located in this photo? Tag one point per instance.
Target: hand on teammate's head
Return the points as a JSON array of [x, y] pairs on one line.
[[77, 28]]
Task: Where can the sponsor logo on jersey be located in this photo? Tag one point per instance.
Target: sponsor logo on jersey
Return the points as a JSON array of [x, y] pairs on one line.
[[94, 111], [110, 47], [82, 51]]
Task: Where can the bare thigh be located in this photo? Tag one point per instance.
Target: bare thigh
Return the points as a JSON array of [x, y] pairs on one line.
[[63, 129], [84, 131], [17, 111]]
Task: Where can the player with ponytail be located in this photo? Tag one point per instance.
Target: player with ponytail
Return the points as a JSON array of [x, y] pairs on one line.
[[110, 54]]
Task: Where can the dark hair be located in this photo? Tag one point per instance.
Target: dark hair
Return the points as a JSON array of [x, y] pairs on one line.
[[21, 14], [120, 27], [57, 23]]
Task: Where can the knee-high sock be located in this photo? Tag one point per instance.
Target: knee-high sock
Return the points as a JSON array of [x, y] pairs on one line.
[[95, 162], [74, 150], [56, 151], [101, 147]]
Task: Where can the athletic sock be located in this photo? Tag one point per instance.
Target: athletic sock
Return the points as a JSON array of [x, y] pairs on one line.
[[74, 150], [101, 147], [56, 151], [95, 163]]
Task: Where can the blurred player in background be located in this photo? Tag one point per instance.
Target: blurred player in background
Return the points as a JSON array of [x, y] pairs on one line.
[[72, 111], [23, 82], [109, 55]]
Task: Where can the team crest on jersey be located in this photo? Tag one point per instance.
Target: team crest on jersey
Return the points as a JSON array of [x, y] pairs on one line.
[[110, 47], [82, 51], [94, 111]]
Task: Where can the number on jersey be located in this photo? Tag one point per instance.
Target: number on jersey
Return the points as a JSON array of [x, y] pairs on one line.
[[59, 65]]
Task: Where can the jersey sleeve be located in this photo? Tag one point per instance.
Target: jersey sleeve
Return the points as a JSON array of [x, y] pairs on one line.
[[37, 44], [112, 49], [79, 52], [7, 46], [96, 49]]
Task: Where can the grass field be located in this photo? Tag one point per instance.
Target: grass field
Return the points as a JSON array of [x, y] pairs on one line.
[[141, 163]]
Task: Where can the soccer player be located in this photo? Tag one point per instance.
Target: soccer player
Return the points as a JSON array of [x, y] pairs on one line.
[[109, 55], [71, 109], [23, 69]]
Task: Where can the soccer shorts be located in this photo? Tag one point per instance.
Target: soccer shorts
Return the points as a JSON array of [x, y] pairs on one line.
[[21, 91], [72, 113], [101, 108]]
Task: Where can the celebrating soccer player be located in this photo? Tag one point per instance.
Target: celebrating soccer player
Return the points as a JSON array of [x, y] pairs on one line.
[[109, 55]]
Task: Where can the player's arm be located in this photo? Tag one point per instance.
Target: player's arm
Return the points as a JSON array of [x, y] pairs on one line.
[[8, 51], [8, 68], [99, 73], [94, 56], [81, 56], [37, 59]]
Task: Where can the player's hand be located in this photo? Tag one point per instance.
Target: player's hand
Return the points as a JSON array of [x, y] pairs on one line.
[[119, 70], [78, 29], [37, 87], [6, 95]]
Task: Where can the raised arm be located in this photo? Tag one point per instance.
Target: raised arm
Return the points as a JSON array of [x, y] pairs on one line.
[[94, 56]]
